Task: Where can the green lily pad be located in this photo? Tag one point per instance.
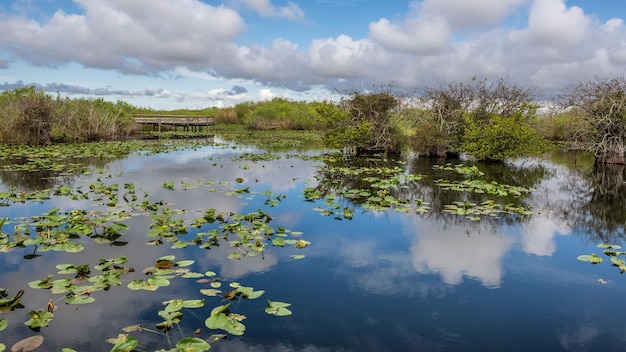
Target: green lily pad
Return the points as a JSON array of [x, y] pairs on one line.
[[278, 309], [192, 344], [79, 299], [591, 258], [38, 319], [222, 319], [124, 343], [609, 246]]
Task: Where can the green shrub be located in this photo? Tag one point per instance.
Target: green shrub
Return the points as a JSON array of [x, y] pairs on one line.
[[560, 127], [501, 137], [279, 113]]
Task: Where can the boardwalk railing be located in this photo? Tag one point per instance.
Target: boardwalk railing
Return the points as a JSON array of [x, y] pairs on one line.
[[186, 121]]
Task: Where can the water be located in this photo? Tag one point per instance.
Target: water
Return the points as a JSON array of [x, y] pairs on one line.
[[381, 281]]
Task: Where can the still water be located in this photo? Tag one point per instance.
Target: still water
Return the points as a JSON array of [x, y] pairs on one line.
[[373, 279]]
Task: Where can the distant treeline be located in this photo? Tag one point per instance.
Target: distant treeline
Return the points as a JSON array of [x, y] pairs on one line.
[[486, 119]]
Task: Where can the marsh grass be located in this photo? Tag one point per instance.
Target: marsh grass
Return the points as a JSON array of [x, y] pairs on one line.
[[32, 117]]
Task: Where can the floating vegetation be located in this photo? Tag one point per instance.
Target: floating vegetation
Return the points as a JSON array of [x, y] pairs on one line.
[[489, 208], [610, 250], [106, 217], [470, 184]]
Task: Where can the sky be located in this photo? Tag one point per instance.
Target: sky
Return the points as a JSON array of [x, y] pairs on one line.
[[194, 54]]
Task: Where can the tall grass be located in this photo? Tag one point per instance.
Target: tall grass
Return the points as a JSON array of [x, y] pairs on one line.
[[30, 116], [279, 114]]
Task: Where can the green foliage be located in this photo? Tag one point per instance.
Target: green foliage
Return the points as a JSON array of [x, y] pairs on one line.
[[278, 114], [441, 128], [561, 127], [340, 131], [366, 121], [499, 138], [430, 135]]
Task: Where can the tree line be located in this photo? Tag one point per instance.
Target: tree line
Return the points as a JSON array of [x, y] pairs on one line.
[[487, 119]]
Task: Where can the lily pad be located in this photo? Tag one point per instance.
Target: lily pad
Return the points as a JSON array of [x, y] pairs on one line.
[[278, 309], [27, 344], [222, 319], [591, 258], [192, 344]]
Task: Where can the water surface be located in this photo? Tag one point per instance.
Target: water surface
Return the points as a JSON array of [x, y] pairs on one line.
[[380, 280]]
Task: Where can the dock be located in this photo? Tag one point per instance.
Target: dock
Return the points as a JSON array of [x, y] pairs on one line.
[[188, 122]]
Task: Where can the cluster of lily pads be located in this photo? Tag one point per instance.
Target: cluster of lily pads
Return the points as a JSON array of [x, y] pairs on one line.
[[56, 230], [610, 250], [389, 188], [342, 192]]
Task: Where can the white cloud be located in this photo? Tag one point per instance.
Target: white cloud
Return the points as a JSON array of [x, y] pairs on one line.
[[435, 40], [343, 57], [553, 29], [265, 8], [421, 36], [475, 13], [453, 254], [141, 37], [266, 94]]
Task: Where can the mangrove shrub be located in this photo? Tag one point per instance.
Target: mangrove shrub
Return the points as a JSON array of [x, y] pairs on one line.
[[601, 105], [364, 121]]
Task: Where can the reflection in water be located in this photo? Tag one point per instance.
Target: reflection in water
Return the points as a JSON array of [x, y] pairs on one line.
[[597, 207], [382, 281], [453, 252]]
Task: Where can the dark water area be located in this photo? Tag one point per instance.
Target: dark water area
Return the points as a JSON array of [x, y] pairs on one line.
[[372, 277]]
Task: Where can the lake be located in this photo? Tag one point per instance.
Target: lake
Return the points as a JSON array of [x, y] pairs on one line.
[[369, 255]]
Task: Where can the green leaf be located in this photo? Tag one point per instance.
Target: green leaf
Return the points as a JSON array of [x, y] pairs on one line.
[[278, 241], [38, 319], [298, 256], [192, 344], [79, 299], [193, 303], [3, 324], [184, 263], [174, 305], [125, 344], [278, 309], [192, 275], [618, 261], [611, 246], [221, 318], [593, 258]]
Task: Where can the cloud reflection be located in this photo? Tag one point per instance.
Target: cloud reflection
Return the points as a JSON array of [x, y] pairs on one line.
[[453, 252]]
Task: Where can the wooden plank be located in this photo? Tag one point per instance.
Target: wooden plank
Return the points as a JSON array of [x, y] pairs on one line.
[[174, 120]]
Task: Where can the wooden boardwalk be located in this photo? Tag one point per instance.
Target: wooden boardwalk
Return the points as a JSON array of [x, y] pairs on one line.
[[193, 122]]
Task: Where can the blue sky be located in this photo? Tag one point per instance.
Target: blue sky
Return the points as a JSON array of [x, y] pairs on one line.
[[170, 54]]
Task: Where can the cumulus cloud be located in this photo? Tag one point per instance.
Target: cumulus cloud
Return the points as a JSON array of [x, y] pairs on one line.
[[137, 37], [553, 28], [423, 32], [343, 57], [479, 256], [551, 44]]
